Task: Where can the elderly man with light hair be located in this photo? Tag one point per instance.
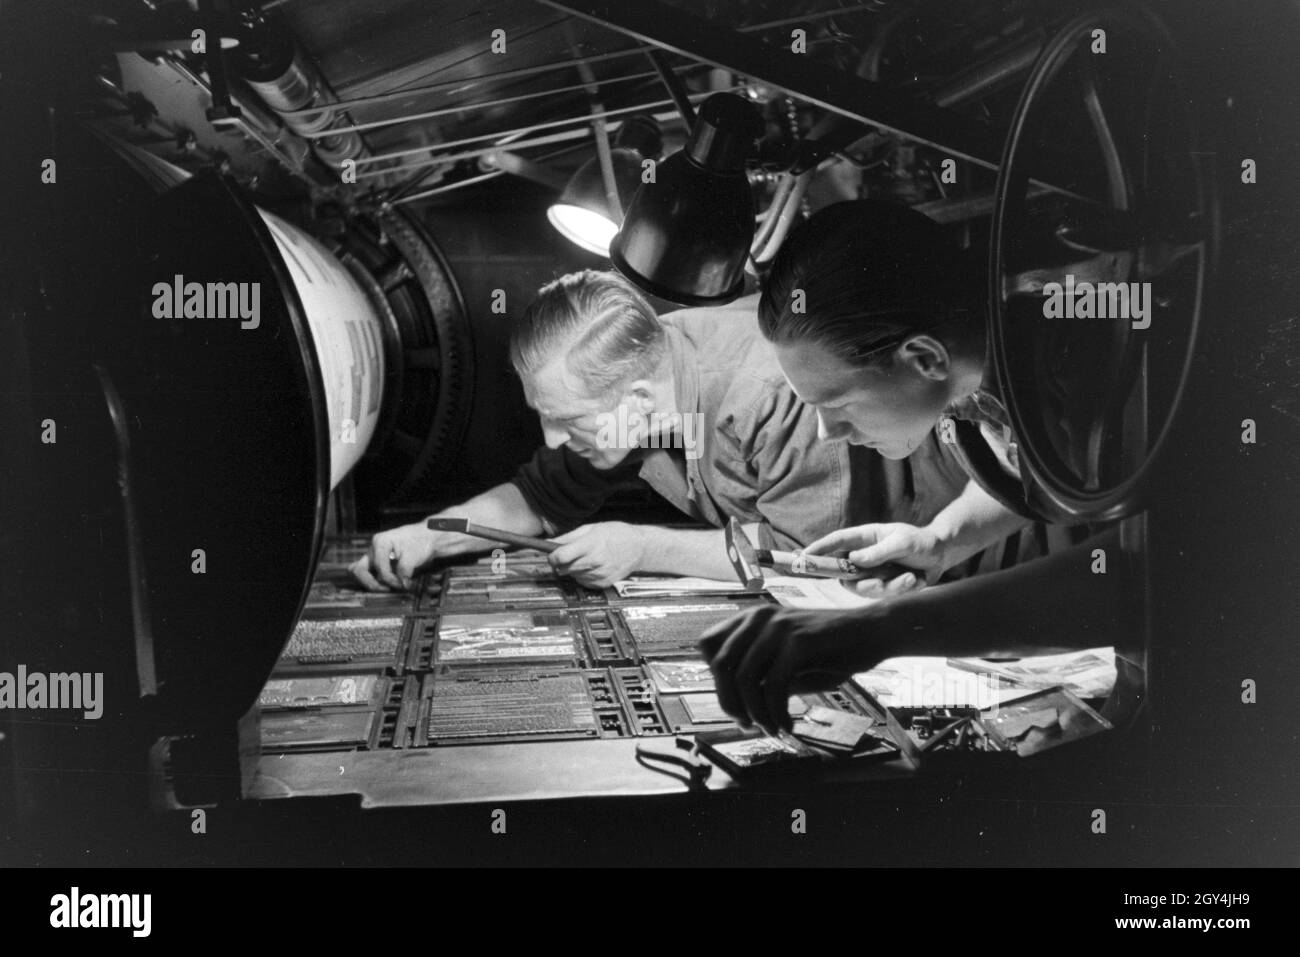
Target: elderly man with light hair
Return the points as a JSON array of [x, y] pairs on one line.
[[692, 404]]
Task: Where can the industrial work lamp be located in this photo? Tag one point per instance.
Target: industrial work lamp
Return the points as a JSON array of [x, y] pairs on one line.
[[582, 214], [686, 235]]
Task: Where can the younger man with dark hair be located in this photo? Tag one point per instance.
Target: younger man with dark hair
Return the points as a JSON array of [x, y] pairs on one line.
[[888, 346]]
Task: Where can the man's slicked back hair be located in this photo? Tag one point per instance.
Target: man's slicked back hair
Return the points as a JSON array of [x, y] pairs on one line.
[[606, 330]]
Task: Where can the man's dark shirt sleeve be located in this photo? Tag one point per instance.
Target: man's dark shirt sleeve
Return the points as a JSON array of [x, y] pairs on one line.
[[566, 490]]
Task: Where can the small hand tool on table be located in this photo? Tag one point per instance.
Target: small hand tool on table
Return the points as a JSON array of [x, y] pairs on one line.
[[749, 562], [466, 527]]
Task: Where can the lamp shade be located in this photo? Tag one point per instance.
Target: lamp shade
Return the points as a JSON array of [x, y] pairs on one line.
[[582, 214], [686, 235]]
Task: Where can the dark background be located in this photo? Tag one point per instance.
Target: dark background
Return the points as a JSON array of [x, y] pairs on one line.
[[1212, 782]]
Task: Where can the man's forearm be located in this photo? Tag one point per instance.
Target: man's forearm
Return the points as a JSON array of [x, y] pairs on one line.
[[971, 522], [503, 507], [698, 553], [1049, 605]]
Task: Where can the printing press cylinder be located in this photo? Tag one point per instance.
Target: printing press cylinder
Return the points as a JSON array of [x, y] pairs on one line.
[[348, 338], [235, 370]]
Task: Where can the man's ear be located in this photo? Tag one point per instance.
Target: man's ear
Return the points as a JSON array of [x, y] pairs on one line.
[[928, 356], [640, 396]]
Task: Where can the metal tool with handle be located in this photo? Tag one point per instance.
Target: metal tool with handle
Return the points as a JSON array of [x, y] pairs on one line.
[[466, 527], [749, 562]]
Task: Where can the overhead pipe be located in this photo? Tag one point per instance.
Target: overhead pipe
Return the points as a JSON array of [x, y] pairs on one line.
[[488, 104], [606, 157], [773, 212], [676, 88], [598, 129], [448, 187], [793, 204], [539, 141], [516, 165], [458, 85], [567, 136]]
